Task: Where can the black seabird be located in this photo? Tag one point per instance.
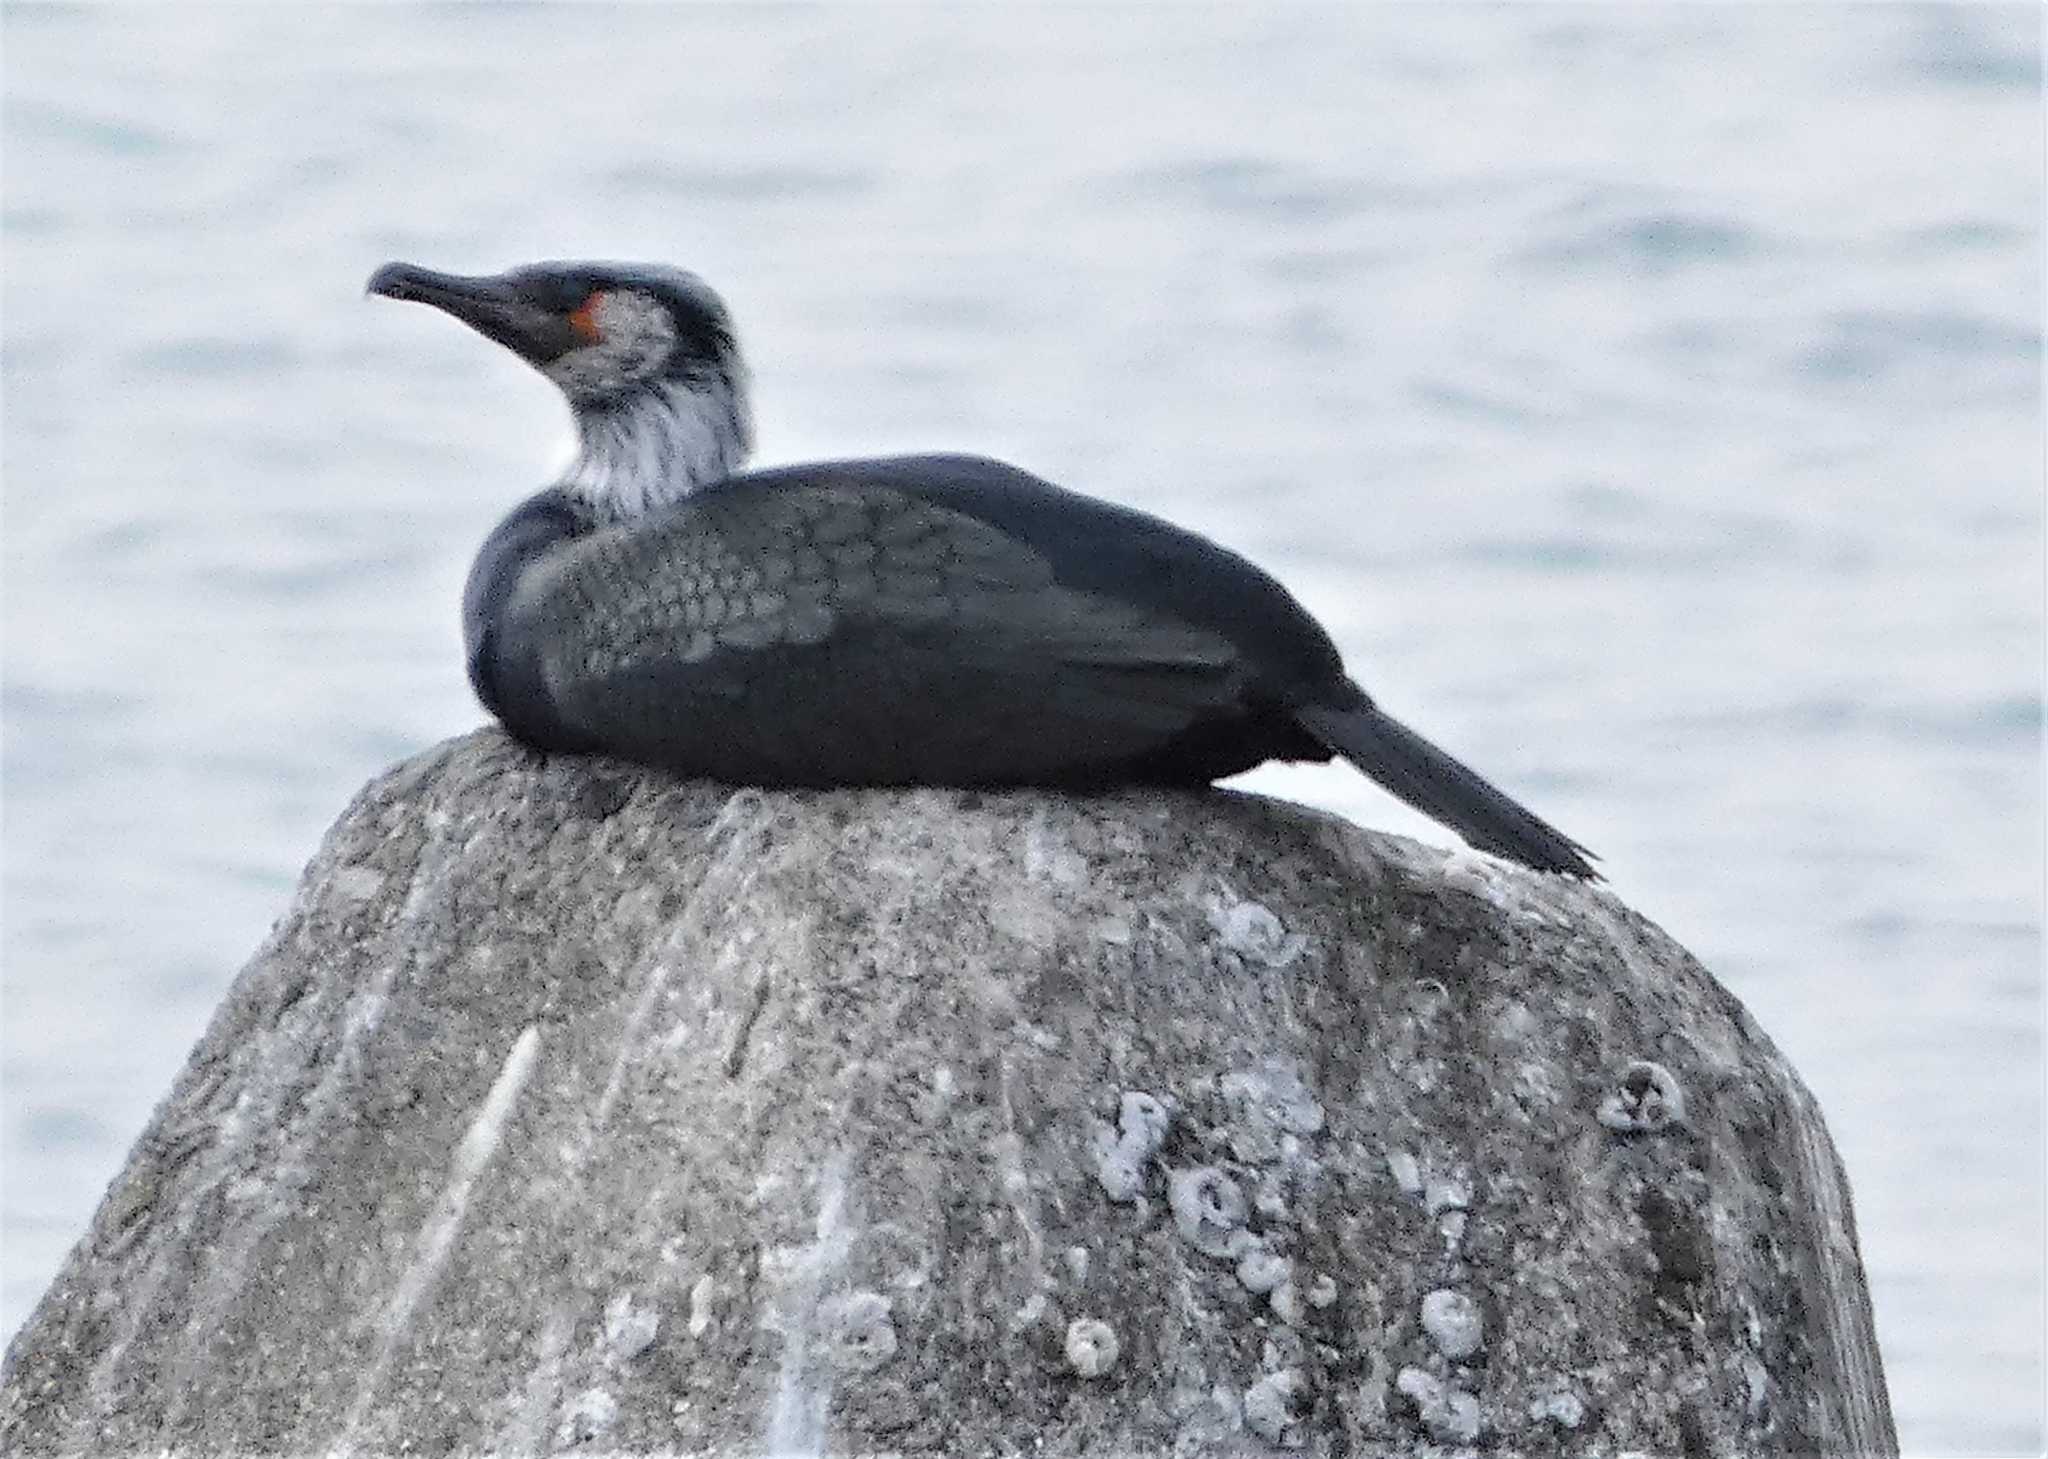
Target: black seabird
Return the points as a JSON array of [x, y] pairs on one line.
[[918, 620]]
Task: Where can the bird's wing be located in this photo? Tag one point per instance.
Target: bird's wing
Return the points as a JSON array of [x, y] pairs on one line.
[[1102, 547], [823, 633]]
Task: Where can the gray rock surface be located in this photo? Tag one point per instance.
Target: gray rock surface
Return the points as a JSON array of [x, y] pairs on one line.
[[574, 1106]]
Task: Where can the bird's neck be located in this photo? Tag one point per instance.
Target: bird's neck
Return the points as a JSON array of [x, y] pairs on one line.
[[658, 446]]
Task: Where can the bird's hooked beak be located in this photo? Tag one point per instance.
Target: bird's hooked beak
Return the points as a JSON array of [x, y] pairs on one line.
[[498, 307]]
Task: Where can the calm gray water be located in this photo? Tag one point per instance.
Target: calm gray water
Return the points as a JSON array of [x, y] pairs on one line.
[[1648, 399]]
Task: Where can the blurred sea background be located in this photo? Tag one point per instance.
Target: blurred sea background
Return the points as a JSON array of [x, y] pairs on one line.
[[1649, 399]]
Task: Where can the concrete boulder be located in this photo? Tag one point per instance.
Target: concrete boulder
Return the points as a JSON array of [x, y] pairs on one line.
[[574, 1106]]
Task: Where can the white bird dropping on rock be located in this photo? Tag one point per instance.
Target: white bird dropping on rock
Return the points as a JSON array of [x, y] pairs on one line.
[[1406, 1171], [1454, 1323], [1250, 930], [703, 1295], [1274, 1406], [628, 1330], [1450, 1414], [1563, 1408], [1262, 1270]]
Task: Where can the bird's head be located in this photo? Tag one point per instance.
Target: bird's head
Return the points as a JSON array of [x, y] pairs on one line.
[[600, 331], [645, 353]]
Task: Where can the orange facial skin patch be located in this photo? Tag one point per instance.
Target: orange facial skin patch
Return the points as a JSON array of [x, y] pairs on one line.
[[583, 319]]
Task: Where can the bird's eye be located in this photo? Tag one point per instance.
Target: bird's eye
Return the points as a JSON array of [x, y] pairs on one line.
[[583, 318]]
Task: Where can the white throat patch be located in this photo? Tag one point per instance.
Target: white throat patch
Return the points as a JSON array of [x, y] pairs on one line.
[[659, 444]]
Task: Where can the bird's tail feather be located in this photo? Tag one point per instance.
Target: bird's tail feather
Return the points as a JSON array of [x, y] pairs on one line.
[[1444, 790]]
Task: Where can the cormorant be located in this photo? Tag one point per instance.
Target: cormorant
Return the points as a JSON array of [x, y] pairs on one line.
[[917, 620]]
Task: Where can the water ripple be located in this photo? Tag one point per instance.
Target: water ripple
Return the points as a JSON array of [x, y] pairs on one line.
[[1997, 719], [1652, 242], [217, 356], [1958, 49], [1864, 344], [1261, 188], [793, 183], [115, 136]]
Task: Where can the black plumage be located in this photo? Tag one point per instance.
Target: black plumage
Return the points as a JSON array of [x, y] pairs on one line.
[[943, 620]]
